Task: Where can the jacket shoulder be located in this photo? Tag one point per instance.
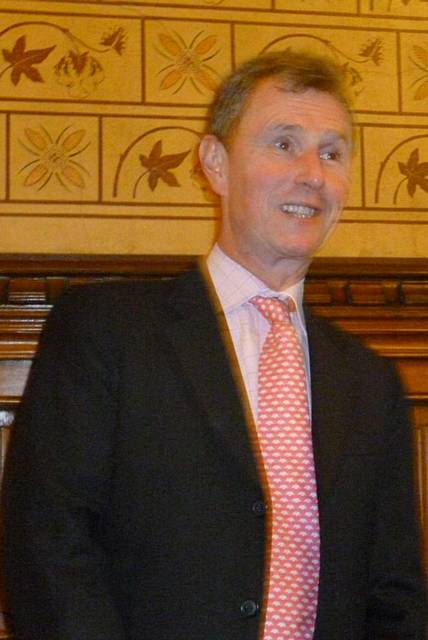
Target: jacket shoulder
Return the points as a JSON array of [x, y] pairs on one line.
[[122, 296], [345, 347]]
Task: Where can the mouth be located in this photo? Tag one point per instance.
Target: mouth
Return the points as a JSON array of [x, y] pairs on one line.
[[298, 210]]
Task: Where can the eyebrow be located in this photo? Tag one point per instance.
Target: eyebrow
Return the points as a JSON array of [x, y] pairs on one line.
[[332, 134]]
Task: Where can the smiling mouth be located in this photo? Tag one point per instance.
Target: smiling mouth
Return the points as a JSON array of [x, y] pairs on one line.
[[298, 210]]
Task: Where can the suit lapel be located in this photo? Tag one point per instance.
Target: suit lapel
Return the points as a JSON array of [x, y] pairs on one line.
[[332, 405], [199, 335]]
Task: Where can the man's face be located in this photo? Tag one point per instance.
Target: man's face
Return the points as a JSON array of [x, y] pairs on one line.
[[283, 180]]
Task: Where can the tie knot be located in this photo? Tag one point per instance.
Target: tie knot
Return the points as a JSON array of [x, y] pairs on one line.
[[273, 309]]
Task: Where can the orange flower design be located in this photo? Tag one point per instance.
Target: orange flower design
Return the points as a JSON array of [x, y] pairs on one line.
[[54, 158], [188, 62]]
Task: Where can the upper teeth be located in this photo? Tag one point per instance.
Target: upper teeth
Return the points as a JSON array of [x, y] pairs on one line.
[[298, 210]]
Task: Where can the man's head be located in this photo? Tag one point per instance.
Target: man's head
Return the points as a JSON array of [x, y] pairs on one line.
[[278, 155]]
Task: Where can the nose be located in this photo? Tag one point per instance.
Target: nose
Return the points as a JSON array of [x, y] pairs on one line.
[[310, 171]]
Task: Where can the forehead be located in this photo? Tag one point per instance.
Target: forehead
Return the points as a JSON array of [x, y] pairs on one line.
[[272, 105]]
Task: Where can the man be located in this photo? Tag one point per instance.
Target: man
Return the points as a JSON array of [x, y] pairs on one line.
[[143, 497]]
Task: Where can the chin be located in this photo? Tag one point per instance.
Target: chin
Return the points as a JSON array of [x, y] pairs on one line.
[[301, 250]]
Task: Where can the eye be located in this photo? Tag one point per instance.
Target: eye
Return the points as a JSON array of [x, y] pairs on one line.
[[335, 156], [283, 145]]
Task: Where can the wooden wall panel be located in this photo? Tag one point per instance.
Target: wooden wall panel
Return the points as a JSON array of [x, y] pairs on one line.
[[420, 417]]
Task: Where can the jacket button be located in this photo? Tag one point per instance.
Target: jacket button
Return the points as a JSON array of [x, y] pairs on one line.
[[249, 608], [258, 508]]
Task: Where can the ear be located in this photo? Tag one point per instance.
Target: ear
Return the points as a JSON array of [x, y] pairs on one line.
[[213, 159]]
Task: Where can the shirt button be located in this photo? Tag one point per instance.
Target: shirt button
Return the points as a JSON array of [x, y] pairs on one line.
[[249, 609], [258, 508]]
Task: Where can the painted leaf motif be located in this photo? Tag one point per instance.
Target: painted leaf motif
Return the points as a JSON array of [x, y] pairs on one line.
[[155, 154], [170, 179], [36, 139], [205, 45], [171, 161], [171, 79], [73, 176], [35, 175], [421, 54], [373, 50], [116, 40], [170, 45], [422, 91], [23, 61], [206, 80], [159, 166], [73, 140], [416, 173], [17, 51]]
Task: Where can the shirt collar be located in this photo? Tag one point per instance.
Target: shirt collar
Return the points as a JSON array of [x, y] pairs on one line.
[[235, 285]]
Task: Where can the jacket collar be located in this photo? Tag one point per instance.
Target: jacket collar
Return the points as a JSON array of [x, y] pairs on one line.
[[198, 322]]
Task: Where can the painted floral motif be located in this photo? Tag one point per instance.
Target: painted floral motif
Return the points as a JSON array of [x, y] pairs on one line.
[[80, 70], [158, 167], [23, 61], [416, 174], [420, 60], [414, 171], [371, 51], [114, 40], [165, 156], [80, 73], [188, 62], [54, 158]]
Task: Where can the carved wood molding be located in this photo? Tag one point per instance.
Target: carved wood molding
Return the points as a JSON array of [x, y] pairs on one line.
[[33, 279], [385, 301]]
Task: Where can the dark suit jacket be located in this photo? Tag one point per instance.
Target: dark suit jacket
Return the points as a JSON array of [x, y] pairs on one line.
[[133, 499]]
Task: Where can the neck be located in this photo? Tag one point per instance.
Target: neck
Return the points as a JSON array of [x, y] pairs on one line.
[[278, 276]]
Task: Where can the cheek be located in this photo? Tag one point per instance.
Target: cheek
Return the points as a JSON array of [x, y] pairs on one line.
[[266, 182], [344, 187], [245, 187], [338, 190]]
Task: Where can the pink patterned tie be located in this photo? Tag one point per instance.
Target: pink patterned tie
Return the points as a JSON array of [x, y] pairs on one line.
[[284, 432]]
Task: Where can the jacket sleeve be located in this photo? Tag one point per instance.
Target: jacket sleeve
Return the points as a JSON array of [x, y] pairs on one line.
[[58, 579], [397, 585]]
